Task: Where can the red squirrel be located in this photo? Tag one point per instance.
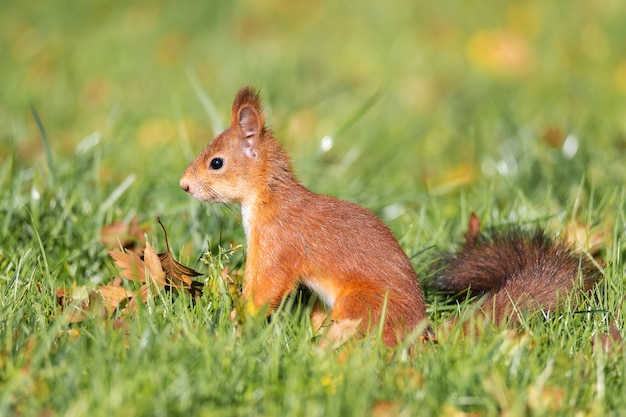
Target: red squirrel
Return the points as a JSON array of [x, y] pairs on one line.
[[339, 250]]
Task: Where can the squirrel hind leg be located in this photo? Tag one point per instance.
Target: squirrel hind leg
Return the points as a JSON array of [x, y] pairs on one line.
[[357, 314], [362, 312]]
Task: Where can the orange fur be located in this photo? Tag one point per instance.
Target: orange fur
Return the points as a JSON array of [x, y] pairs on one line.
[[345, 254], [339, 250]]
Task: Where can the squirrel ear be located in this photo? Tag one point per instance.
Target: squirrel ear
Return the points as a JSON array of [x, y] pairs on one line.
[[247, 114], [249, 122], [250, 126]]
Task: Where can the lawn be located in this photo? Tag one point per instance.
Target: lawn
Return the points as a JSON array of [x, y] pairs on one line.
[[423, 112]]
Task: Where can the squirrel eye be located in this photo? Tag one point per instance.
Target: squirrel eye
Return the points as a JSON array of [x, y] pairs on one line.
[[216, 163]]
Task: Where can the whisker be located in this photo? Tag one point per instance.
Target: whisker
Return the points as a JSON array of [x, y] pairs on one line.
[[230, 207]]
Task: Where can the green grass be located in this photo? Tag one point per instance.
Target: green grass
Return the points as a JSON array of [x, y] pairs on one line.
[[428, 124]]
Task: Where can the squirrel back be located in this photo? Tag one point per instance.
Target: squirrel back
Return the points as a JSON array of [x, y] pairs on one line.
[[519, 271]]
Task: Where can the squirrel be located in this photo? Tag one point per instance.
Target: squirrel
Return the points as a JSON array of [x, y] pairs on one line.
[[346, 255]]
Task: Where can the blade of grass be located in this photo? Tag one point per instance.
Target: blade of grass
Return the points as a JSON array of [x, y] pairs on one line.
[[46, 143], [206, 101], [44, 257], [7, 182], [358, 114], [117, 193]]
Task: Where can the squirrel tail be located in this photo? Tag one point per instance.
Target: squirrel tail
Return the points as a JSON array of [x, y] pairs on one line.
[[517, 271]]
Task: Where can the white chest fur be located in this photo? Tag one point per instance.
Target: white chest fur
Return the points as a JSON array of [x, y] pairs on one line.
[[246, 219]]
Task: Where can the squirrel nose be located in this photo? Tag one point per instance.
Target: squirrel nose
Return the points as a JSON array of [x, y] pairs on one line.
[[184, 185]]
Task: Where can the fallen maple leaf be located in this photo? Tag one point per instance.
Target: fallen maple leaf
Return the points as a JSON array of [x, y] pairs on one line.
[[164, 270], [179, 275], [132, 266], [154, 266], [130, 236], [154, 271], [114, 296]]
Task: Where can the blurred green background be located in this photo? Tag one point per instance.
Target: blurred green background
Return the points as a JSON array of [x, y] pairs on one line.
[[415, 95], [422, 111]]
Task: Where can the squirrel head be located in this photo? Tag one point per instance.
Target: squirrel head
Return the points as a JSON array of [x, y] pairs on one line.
[[236, 166]]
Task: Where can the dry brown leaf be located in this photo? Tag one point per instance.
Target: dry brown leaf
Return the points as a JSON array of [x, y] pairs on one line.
[[178, 275], [175, 269], [79, 303], [586, 238], [163, 271], [114, 296], [143, 293], [63, 297], [154, 266], [611, 342], [140, 297], [133, 268], [473, 230], [130, 236]]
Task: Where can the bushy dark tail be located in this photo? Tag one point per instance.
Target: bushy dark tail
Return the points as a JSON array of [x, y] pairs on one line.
[[521, 271]]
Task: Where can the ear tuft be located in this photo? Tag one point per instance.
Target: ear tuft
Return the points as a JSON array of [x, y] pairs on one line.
[[248, 110]]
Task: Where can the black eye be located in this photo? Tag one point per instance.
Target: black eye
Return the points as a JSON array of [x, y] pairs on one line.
[[217, 163]]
